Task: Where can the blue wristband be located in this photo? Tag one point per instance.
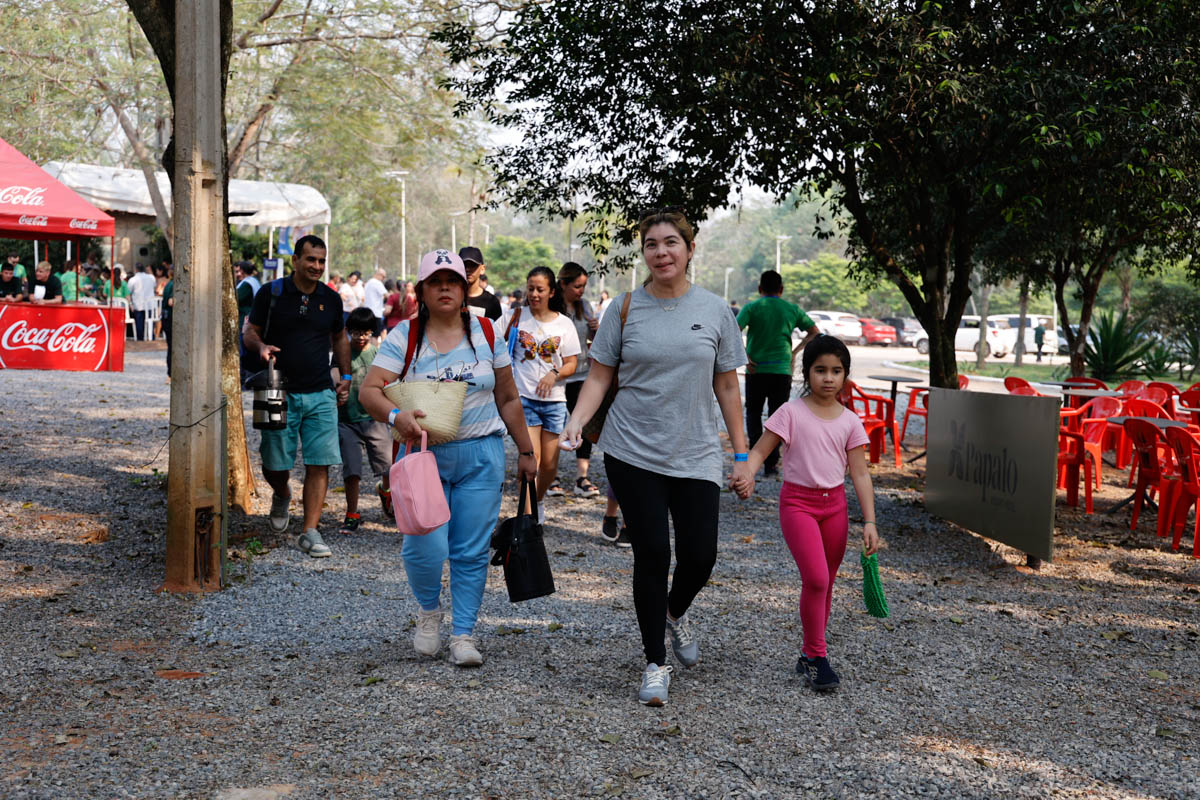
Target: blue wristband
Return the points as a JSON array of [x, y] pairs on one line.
[[741, 456], [348, 377], [392, 416]]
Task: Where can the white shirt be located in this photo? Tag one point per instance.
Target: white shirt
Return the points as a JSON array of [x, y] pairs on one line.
[[374, 293], [141, 291], [541, 346], [352, 296]]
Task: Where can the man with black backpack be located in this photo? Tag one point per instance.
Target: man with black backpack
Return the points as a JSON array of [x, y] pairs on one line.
[[296, 320]]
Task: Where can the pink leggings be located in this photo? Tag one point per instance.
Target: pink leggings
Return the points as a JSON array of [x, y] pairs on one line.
[[815, 525]]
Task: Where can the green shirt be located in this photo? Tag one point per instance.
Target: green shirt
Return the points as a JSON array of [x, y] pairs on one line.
[[770, 322], [168, 297], [122, 290], [360, 364], [68, 286], [19, 271]]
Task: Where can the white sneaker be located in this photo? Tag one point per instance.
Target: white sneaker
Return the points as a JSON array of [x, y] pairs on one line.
[[311, 542], [683, 641], [427, 638], [463, 652], [655, 682]]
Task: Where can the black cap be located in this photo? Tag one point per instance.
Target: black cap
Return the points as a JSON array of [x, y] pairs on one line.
[[472, 254]]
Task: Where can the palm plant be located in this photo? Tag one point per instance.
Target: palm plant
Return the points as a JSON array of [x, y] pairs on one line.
[[1116, 346]]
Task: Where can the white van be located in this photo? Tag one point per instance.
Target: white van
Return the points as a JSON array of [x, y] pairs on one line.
[[1008, 325], [967, 337]]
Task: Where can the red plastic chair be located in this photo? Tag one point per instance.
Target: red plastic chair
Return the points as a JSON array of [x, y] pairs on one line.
[[1147, 444], [1186, 490], [1072, 454], [1027, 391], [1131, 388], [1194, 387], [1137, 407], [914, 410], [1086, 383], [1156, 394], [1012, 383], [878, 418], [1189, 399], [1091, 419]]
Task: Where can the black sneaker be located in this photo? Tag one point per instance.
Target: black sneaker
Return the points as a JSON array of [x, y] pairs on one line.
[[818, 673], [623, 539], [350, 523], [609, 531], [385, 499]]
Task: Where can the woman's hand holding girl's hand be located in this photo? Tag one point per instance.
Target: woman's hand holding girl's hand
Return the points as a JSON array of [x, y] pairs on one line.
[[527, 468], [870, 539], [406, 425], [742, 480], [546, 384], [571, 437]]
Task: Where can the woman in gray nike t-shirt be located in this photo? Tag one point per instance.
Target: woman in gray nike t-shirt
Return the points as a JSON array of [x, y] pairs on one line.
[[679, 347]]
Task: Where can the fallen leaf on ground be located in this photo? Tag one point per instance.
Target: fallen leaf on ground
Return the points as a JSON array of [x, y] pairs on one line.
[[610, 738], [1158, 673]]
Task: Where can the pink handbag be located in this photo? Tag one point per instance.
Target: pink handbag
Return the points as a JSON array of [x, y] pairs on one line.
[[417, 496]]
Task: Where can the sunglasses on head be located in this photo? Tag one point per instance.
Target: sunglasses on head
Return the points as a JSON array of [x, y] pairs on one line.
[[658, 212]]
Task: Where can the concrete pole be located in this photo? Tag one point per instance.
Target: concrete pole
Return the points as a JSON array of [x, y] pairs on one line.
[[403, 232], [196, 517]]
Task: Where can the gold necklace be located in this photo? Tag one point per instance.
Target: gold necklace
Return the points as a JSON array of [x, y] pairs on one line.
[[670, 306]]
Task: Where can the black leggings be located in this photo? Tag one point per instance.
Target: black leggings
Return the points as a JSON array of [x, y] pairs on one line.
[[774, 390], [646, 497], [585, 447]]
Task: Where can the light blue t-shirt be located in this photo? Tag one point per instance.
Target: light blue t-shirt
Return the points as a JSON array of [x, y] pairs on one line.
[[476, 366]]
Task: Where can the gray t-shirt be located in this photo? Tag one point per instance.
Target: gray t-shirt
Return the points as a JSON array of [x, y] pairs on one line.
[[664, 417], [581, 329]]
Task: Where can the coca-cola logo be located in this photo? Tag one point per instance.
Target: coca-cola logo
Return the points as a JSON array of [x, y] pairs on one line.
[[83, 224], [23, 195], [40, 222], [70, 337]]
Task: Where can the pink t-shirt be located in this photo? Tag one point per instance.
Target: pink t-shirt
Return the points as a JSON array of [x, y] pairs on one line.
[[814, 450]]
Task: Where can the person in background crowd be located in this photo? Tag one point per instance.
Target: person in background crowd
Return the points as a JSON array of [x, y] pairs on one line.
[[487, 286], [161, 274], [91, 285], [479, 302], [1039, 338], [572, 283], [678, 348], [546, 352], [357, 430], [452, 340], [141, 299], [769, 322], [168, 314], [335, 283], [411, 306], [352, 293], [393, 305], [69, 281], [605, 302], [247, 287], [120, 286], [733, 308], [305, 322], [44, 286], [12, 288], [375, 297], [14, 261]]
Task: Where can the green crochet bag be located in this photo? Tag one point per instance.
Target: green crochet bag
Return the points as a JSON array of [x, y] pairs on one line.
[[872, 587]]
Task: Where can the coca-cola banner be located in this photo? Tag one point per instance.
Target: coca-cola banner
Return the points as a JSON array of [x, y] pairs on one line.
[[64, 337]]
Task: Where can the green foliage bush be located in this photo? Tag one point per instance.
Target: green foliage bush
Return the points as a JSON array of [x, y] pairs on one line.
[[1117, 346]]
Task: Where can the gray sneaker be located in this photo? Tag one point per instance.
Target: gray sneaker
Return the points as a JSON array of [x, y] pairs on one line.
[[683, 642], [463, 652], [427, 638], [311, 542], [280, 515], [655, 682]]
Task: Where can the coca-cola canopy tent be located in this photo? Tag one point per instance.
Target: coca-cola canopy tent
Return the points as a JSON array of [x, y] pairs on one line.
[[34, 205]]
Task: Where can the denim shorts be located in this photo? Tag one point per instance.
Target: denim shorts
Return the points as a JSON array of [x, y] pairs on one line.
[[551, 415], [312, 427]]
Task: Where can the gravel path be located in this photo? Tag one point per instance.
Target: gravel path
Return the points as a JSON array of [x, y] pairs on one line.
[[989, 680]]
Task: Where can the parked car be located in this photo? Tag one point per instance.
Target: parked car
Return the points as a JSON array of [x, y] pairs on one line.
[[1062, 338], [907, 329], [840, 324], [967, 337], [876, 331], [1009, 323]]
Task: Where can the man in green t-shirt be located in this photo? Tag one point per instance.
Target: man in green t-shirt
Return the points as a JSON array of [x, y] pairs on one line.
[[769, 322], [17, 268]]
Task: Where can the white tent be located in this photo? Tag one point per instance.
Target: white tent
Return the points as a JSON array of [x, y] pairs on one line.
[[256, 203]]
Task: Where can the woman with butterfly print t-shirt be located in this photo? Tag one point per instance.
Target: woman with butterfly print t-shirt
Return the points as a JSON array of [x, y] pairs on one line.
[[545, 350]]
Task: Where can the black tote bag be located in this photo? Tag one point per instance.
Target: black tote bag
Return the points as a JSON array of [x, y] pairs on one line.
[[521, 551]]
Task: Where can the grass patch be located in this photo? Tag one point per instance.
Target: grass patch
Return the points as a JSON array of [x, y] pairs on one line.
[[1030, 372]]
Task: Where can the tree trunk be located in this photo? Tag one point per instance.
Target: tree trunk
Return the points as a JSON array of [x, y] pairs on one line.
[[943, 361], [1019, 349], [1125, 278], [982, 346]]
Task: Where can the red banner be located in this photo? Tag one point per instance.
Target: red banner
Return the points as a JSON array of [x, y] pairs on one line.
[[60, 336]]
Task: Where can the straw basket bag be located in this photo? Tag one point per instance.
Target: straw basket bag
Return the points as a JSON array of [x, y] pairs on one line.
[[442, 402]]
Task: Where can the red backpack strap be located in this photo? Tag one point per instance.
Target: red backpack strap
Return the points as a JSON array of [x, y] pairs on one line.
[[411, 350], [489, 332]]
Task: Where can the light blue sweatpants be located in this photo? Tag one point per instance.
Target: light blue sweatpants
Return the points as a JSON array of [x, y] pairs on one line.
[[472, 472]]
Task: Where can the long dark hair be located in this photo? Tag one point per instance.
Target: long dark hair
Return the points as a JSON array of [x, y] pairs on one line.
[[423, 317], [556, 301], [569, 273], [823, 345]]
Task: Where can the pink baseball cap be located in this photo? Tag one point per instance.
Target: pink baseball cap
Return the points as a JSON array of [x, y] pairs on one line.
[[439, 260]]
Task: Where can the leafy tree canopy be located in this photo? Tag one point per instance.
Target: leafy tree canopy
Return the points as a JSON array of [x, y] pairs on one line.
[[510, 258]]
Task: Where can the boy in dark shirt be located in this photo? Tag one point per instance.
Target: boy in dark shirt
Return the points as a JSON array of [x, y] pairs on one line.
[[11, 288]]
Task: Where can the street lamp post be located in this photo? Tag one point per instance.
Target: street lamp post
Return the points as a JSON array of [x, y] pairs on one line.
[[399, 175], [454, 230], [727, 271], [779, 240]]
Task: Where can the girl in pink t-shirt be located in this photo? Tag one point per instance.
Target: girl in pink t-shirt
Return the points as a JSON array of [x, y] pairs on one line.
[[821, 438]]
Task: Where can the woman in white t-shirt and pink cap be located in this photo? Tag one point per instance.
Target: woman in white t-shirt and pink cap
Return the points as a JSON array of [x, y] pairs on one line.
[[821, 440]]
